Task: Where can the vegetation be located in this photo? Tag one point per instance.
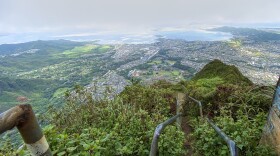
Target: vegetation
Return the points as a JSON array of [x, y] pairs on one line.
[[125, 124], [230, 74], [34, 90], [235, 43], [236, 106], [38, 76], [182, 67], [82, 50], [245, 131]]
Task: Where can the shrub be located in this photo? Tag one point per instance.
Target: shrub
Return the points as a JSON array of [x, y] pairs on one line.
[[123, 126], [244, 131], [244, 125]]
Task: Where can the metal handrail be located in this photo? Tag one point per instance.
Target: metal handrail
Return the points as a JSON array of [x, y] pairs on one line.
[[161, 126], [159, 129], [23, 117], [231, 144], [199, 104], [196, 101]]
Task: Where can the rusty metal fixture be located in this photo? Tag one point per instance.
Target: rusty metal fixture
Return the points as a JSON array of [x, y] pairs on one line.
[[23, 117]]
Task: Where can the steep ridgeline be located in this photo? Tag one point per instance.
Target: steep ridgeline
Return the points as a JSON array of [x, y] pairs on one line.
[[125, 124], [229, 73], [234, 103]]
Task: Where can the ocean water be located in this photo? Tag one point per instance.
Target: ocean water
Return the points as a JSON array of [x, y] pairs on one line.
[[197, 35], [119, 38]]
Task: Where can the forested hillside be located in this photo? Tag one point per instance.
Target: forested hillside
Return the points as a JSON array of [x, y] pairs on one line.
[[125, 125]]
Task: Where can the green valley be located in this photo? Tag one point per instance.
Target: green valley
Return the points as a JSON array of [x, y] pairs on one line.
[[107, 99]]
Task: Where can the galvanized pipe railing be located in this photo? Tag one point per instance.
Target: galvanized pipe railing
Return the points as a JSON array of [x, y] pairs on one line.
[[23, 117], [231, 144], [159, 129], [199, 104]]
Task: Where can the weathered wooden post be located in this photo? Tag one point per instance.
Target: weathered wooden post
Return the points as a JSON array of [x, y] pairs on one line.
[[179, 106], [271, 133], [23, 117], [178, 118]]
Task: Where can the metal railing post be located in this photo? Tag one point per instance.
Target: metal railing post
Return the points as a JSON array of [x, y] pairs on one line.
[[159, 129], [23, 117]]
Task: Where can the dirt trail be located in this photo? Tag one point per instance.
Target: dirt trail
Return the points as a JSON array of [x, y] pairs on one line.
[[186, 128]]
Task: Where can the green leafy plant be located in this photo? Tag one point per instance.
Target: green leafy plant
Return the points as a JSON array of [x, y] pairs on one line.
[[123, 126]]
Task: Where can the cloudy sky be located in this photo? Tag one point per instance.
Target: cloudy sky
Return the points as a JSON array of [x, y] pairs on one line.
[[25, 16]]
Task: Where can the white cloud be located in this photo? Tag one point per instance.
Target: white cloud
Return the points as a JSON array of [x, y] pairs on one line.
[[69, 15]]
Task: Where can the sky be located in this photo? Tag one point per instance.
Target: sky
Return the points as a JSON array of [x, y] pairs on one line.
[[71, 16]]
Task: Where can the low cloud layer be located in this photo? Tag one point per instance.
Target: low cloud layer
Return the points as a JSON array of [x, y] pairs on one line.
[[67, 15]]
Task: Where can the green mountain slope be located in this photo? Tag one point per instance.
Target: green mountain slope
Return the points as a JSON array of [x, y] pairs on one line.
[[228, 73], [6, 49], [125, 125]]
